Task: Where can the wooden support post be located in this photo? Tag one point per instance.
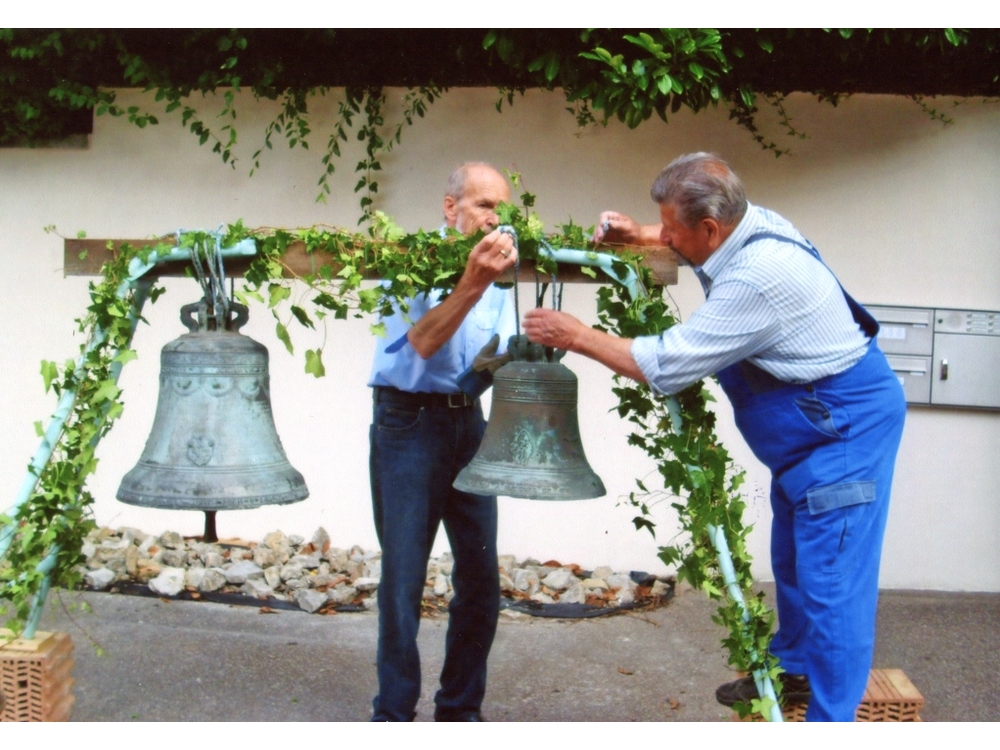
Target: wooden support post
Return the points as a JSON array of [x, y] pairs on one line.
[[85, 258]]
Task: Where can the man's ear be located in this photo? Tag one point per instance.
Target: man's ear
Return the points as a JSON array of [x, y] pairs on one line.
[[450, 210], [713, 232]]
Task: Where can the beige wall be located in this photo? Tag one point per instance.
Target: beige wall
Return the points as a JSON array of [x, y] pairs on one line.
[[905, 211]]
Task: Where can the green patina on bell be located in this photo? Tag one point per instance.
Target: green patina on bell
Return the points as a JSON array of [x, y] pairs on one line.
[[532, 447]]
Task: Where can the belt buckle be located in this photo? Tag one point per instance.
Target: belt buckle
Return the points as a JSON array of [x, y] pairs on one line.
[[461, 398]]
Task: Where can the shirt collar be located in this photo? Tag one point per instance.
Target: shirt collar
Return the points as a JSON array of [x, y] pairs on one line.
[[711, 268]]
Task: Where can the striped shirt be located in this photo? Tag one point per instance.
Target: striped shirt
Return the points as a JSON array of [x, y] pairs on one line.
[[770, 302]]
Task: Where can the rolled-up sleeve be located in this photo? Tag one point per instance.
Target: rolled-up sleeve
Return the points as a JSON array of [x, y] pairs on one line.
[[736, 322]]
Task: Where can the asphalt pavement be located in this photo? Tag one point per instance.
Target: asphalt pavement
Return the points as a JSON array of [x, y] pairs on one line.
[[146, 659]]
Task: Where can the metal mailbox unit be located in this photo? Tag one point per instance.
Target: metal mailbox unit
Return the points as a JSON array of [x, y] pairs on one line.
[[943, 357]]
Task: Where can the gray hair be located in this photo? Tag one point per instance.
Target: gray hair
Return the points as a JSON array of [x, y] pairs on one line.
[[701, 186], [456, 183]]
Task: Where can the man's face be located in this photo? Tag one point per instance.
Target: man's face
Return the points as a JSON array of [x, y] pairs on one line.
[[693, 244], [484, 189]]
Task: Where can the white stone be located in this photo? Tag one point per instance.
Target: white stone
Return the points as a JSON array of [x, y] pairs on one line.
[[625, 596], [526, 580], [194, 577], [343, 594], [507, 564], [115, 543], [240, 572], [294, 540], [506, 584], [272, 576], [276, 540], [131, 534], [370, 603], [213, 560], [170, 582], [172, 540], [446, 562], [291, 572], [88, 549], [621, 581], [308, 562], [320, 539], [257, 587], [602, 572], [542, 598], [294, 584], [575, 594], [337, 558], [559, 579], [440, 585], [366, 584], [356, 554], [99, 579], [659, 589], [310, 600], [595, 583], [372, 569], [174, 558], [264, 556]]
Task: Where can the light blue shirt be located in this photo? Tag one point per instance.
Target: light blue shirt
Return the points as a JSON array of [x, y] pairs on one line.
[[408, 371], [770, 302]]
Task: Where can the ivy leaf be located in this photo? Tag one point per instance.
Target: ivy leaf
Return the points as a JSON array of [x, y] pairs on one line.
[[107, 391], [283, 337], [278, 292], [314, 363], [125, 356], [50, 371], [302, 316]]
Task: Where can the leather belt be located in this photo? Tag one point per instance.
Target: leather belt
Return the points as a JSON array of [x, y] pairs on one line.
[[387, 394]]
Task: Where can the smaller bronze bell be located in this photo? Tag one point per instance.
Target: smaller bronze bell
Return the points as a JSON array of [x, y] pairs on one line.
[[532, 447], [213, 445]]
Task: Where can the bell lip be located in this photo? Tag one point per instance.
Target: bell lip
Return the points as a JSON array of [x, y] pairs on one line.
[[170, 502], [502, 486]]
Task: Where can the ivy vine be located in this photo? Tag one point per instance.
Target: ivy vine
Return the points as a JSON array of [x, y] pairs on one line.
[[696, 471]]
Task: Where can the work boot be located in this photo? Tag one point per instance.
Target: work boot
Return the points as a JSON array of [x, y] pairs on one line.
[[794, 689]]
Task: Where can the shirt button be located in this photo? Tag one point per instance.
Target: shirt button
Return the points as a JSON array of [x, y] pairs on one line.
[[810, 388]]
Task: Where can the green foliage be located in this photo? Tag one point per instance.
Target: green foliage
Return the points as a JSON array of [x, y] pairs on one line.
[[56, 514]]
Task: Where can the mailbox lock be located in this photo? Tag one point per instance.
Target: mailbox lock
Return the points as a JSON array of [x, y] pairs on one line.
[[944, 369]]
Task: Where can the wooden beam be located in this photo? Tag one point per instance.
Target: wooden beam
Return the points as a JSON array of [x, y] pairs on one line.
[[85, 258]]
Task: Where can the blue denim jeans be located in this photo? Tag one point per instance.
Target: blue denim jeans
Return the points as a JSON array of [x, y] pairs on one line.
[[416, 453]]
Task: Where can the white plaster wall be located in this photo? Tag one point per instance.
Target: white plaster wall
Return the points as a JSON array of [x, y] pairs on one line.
[[905, 211]]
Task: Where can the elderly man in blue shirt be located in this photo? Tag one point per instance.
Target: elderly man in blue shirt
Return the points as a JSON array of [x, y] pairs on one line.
[[425, 430], [812, 395]]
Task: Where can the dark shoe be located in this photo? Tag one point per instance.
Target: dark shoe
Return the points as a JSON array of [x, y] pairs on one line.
[[794, 689], [468, 716]]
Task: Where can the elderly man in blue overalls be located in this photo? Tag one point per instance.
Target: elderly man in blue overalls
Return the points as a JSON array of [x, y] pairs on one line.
[[812, 394]]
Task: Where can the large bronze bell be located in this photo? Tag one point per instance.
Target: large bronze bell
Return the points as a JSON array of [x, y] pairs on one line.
[[213, 445], [532, 446]]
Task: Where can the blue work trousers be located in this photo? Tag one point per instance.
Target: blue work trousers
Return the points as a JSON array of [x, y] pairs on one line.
[[416, 453], [831, 448]]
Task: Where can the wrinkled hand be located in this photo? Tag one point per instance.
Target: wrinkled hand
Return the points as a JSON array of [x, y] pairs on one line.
[[552, 328], [492, 257], [617, 228], [488, 359]]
